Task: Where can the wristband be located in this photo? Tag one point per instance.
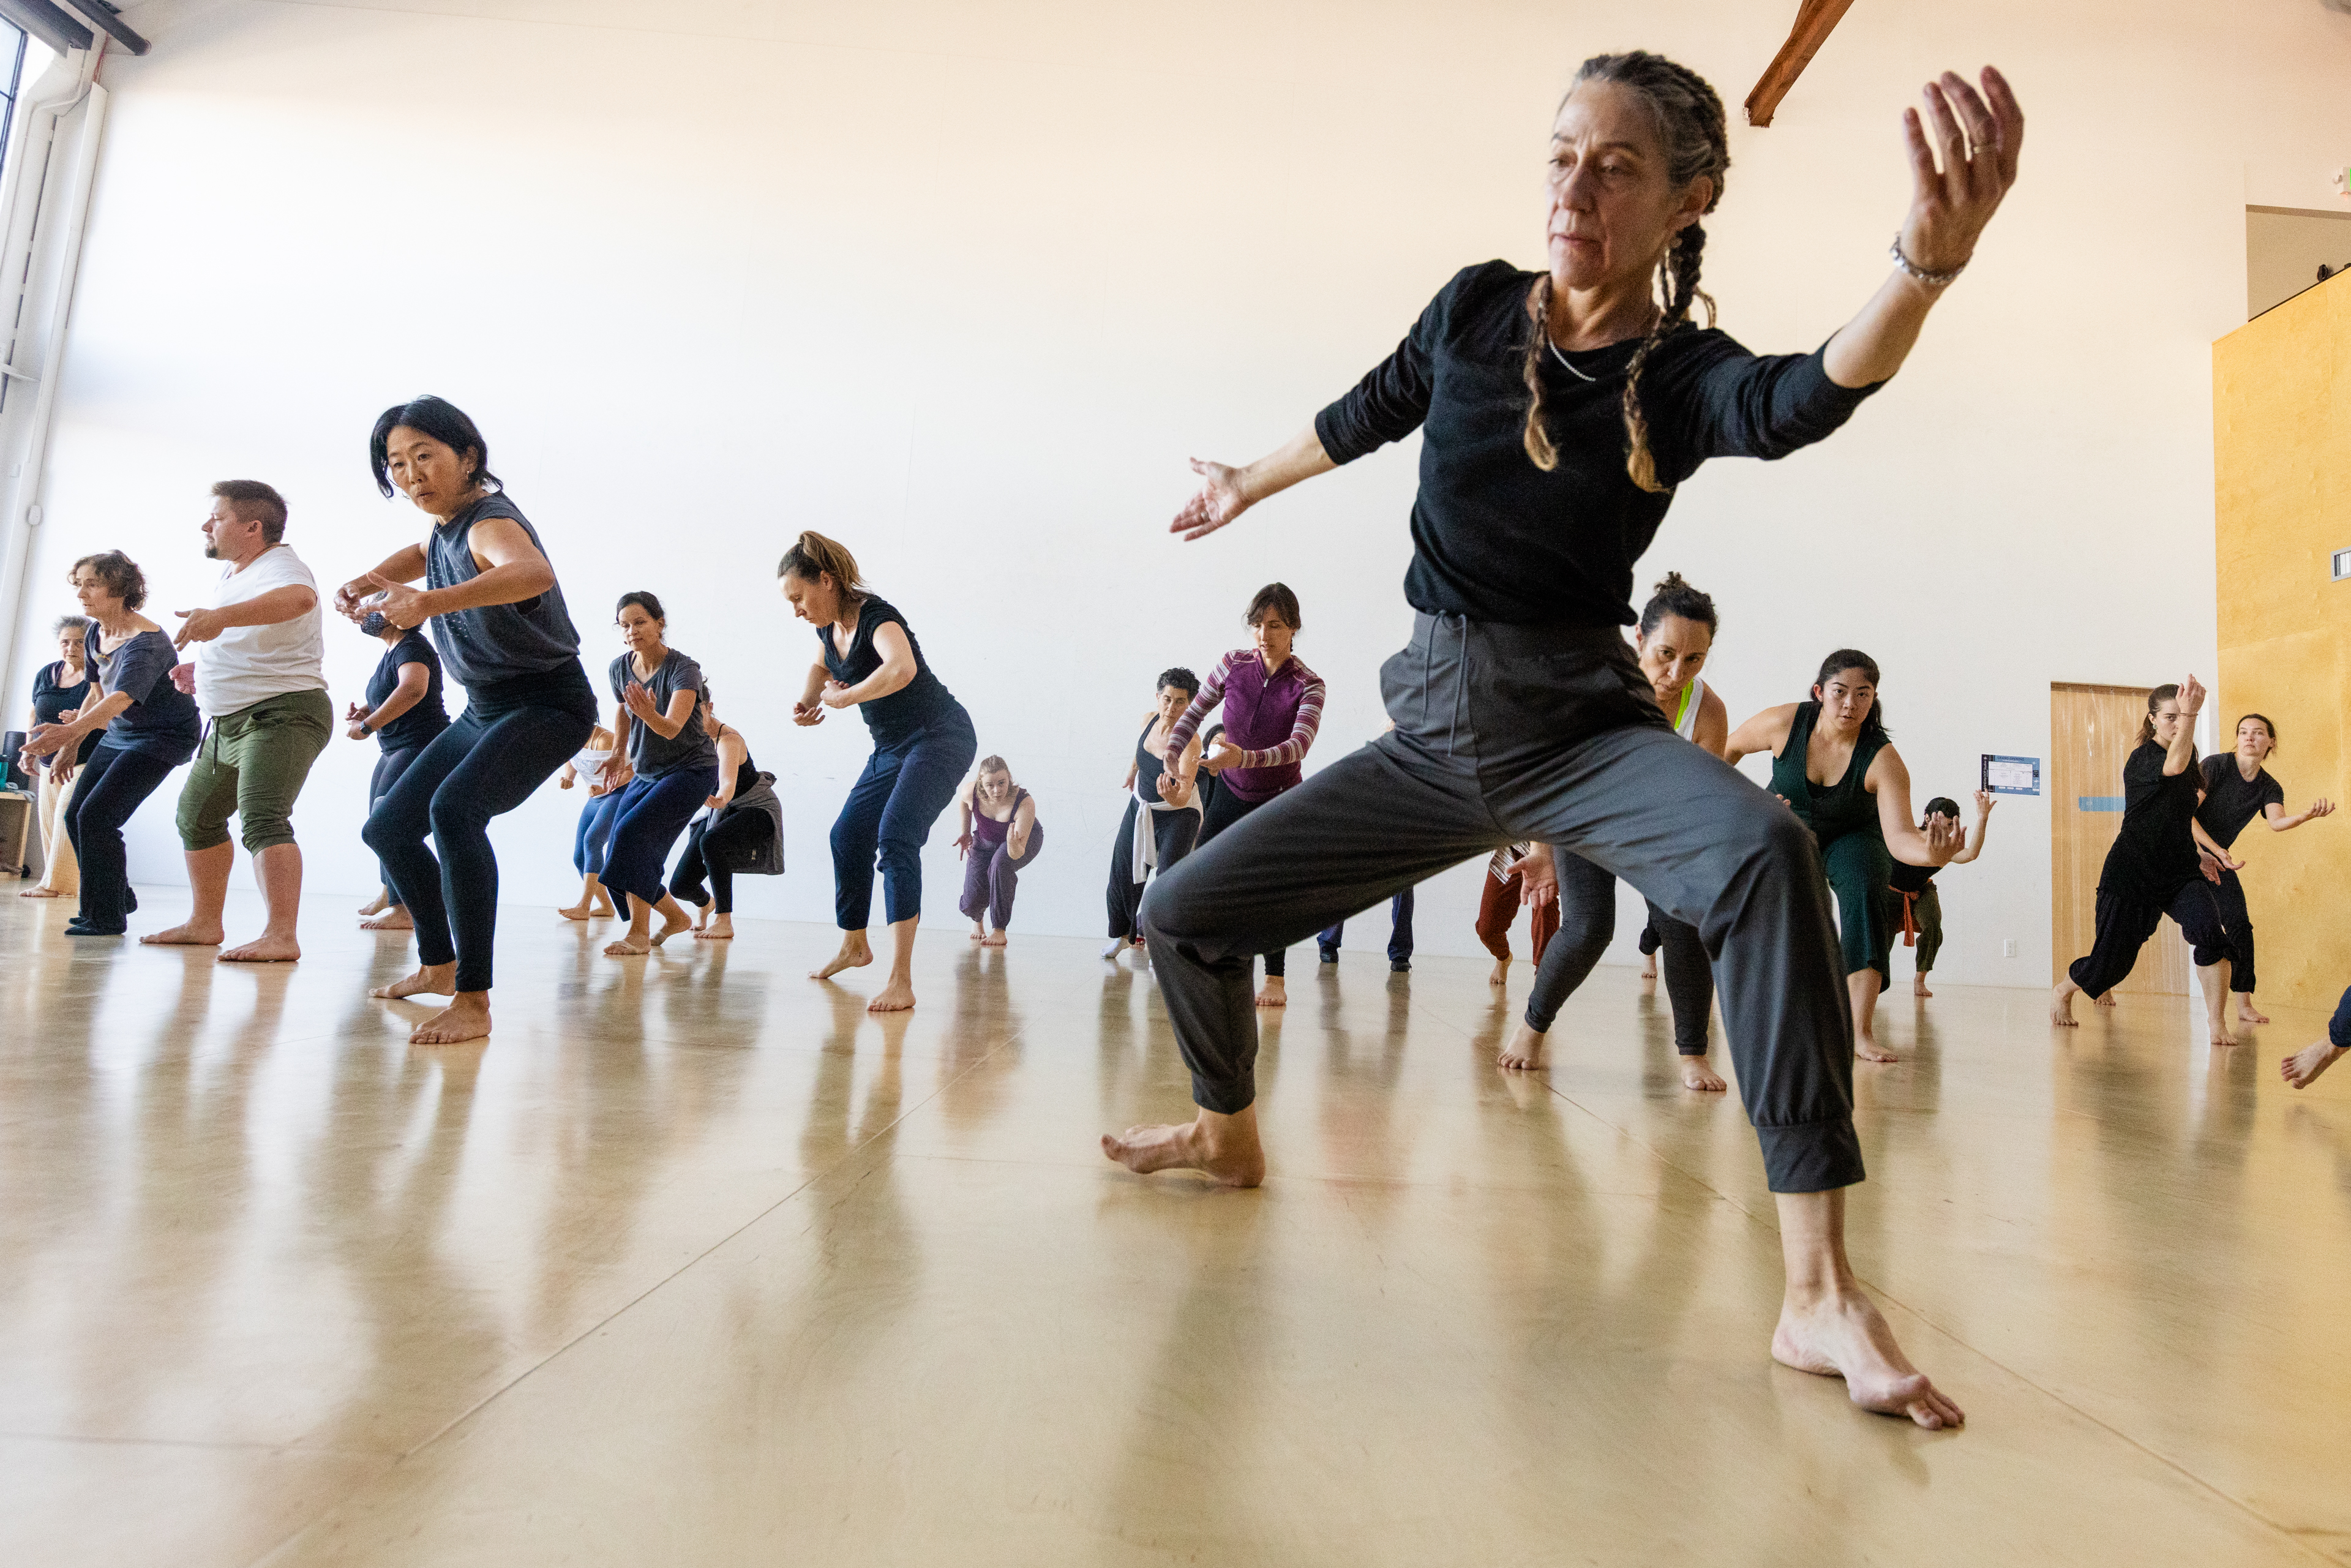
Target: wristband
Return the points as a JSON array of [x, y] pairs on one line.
[[1931, 279]]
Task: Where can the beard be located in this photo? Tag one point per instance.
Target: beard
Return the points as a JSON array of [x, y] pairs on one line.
[[211, 550]]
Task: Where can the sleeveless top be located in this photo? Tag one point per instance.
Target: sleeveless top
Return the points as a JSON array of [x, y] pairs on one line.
[[1830, 810], [1693, 699], [493, 642], [985, 829]]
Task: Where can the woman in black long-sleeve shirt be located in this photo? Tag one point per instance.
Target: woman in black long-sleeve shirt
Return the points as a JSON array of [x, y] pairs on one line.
[[1556, 410]]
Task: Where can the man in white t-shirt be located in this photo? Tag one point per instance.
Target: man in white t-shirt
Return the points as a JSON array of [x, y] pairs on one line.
[[262, 686]]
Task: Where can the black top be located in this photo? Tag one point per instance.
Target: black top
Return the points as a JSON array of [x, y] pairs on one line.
[[2155, 854], [1495, 539], [493, 642], [1908, 878], [2230, 802], [162, 721], [904, 713], [51, 700], [428, 718], [1148, 768], [1830, 810], [653, 756]]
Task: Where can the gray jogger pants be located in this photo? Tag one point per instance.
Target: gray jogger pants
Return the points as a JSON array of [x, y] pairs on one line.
[[1506, 733]]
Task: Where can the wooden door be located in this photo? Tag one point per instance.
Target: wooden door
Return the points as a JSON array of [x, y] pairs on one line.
[[2092, 732]]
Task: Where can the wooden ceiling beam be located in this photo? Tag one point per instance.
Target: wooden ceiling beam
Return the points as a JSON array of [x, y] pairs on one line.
[[1815, 19]]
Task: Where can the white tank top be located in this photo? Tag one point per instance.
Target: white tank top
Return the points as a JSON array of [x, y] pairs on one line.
[[1693, 698], [590, 762]]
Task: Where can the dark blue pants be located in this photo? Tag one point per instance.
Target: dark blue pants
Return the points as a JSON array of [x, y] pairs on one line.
[[2338, 1029], [388, 770], [1399, 931], [648, 815], [889, 813], [112, 786], [590, 839], [510, 740]]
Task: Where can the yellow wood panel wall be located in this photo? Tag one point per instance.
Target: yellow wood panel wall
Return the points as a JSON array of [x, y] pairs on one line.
[[2281, 463], [2091, 733]]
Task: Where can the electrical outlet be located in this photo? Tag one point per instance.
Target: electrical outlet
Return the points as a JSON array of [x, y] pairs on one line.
[[2008, 948]]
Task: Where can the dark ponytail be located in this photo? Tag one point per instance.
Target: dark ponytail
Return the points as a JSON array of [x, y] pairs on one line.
[[1873, 726]]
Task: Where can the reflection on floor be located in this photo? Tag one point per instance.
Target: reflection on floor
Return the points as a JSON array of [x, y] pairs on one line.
[[698, 1263]]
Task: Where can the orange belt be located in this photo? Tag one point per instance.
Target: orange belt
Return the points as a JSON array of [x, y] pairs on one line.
[[1910, 915]]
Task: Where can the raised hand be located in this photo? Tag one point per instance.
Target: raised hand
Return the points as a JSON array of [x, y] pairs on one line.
[[1217, 502], [2191, 697], [199, 626], [639, 701], [403, 606], [1977, 138], [1945, 838], [2321, 807], [351, 599], [1985, 801]]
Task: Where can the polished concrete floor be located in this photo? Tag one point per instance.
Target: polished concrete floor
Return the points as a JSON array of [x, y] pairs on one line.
[[698, 1263]]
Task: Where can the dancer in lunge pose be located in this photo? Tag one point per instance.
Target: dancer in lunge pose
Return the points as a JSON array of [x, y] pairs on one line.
[[2302, 1067], [594, 766], [405, 713], [498, 615], [672, 769], [1273, 706], [1834, 765], [999, 839], [1671, 642], [923, 744], [2158, 866], [1921, 918], [2237, 789], [60, 689], [740, 832], [1505, 889], [1520, 711], [1163, 810], [146, 726]]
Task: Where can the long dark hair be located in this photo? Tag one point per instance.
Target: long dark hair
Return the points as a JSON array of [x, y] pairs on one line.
[[445, 423], [1696, 141], [1873, 726]]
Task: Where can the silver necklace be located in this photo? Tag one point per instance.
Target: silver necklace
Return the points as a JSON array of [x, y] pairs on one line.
[[1558, 354]]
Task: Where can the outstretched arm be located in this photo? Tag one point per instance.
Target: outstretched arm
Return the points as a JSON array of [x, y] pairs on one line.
[[2274, 815], [1767, 731], [1225, 492], [1977, 138], [1889, 779], [1984, 803]]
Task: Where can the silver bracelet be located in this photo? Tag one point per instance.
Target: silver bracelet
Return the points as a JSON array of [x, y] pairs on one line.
[[1931, 279]]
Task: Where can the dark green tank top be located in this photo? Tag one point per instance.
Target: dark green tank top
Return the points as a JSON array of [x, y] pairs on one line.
[[1830, 810]]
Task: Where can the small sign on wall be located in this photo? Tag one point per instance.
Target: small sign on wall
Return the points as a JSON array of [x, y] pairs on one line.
[[2012, 775]]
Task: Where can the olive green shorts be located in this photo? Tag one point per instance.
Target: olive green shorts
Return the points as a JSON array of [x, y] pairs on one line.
[[252, 762]]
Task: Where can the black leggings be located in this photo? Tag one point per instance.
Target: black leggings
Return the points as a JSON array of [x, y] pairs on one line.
[[2127, 920], [1172, 833], [2231, 897], [1224, 809], [713, 844], [388, 770], [1587, 921], [510, 740], [112, 786]]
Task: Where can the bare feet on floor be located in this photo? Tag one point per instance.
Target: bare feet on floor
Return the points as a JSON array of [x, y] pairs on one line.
[[588, 909], [1525, 1052], [1868, 1048], [2107, 1001], [1698, 1075], [1501, 974], [2302, 1067], [1918, 989], [1224, 1148], [38, 892], [2247, 1012], [1648, 966], [427, 980], [266, 950], [1274, 993], [2061, 1005], [720, 928], [189, 936], [631, 945], [898, 996], [2221, 1035], [396, 918], [854, 954], [995, 939], [467, 1018], [1843, 1334], [379, 904], [978, 932]]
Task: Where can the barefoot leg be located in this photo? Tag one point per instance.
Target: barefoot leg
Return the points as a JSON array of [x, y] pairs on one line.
[[1501, 974], [720, 929], [636, 941], [2061, 1004], [1828, 1326], [674, 917], [1274, 993], [2214, 979], [1699, 1075], [2106, 1002], [467, 1017], [395, 918], [2302, 1067], [1918, 989], [379, 904], [279, 869], [2247, 1012], [855, 954], [208, 884], [1525, 1052], [897, 995], [980, 930], [428, 980], [1224, 1148], [1862, 988]]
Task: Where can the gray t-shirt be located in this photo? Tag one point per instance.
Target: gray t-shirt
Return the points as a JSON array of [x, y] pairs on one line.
[[650, 756]]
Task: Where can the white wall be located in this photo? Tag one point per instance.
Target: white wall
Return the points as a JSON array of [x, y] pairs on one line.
[[964, 285]]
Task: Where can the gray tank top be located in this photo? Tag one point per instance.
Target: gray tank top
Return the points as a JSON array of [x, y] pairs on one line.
[[493, 642]]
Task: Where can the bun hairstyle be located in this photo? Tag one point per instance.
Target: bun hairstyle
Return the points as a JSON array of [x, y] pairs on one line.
[[1692, 133], [2155, 700], [445, 423], [2266, 724], [117, 573], [1873, 727], [1675, 596], [1182, 679], [994, 765], [649, 603], [813, 556], [1273, 599]]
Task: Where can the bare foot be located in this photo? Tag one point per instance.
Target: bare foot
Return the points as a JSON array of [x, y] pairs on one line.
[[1844, 1336], [379, 904], [1501, 974], [1918, 989], [1525, 1052], [995, 939], [1274, 993], [1648, 966], [978, 932], [629, 947], [1223, 1148], [671, 925], [2061, 1005], [2247, 1012], [2302, 1067], [854, 954], [2106, 1002], [1868, 1050], [702, 914], [38, 892], [1698, 1075], [467, 1018], [428, 980], [396, 918], [189, 936], [579, 910], [266, 950], [720, 929], [603, 910], [2221, 1035], [898, 996]]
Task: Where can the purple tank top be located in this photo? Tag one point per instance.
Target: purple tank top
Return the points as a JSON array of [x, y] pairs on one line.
[[986, 830]]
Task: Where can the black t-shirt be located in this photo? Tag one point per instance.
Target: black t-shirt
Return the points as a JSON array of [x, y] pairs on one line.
[[1495, 539], [429, 717], [51, 700], [904, 713], [2229, 801], [2155, 854], [1908, 878]]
